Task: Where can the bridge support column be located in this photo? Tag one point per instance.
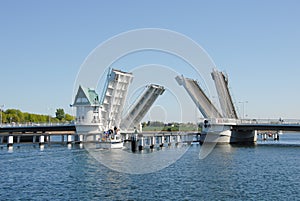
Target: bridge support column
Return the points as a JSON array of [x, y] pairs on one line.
[[152, 142], [18, 139], [177, 140], [170, 140], [141, 143], [48, 139], [265, 136], [1, 139], [34, 139], [42, 140], [254, 135], [162, 141], [69, 139], [80, 138], [10, 141], [134, 141], [276, 136]]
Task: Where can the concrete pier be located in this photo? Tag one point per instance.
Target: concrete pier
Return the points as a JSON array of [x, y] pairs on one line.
[[134, 142], [34, 139], [78, 139], [141, 143], [42, 140], [48, 139], [162, 141], [10, 141], [69, 139], [170, 140], [152, 142], [18, 139]]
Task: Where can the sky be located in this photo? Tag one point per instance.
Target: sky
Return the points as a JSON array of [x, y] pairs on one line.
[[257, 43]]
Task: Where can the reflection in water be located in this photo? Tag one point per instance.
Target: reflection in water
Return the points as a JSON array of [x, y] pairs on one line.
[[147, 161], [10, 149]]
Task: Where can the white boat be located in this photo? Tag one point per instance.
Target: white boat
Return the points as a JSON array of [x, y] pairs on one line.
[[111, 142]]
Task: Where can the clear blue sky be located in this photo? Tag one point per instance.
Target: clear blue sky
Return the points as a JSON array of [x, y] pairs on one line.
[[43, 44]]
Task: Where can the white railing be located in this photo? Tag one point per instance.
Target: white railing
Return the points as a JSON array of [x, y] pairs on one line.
[[34, 124], [251, 121]]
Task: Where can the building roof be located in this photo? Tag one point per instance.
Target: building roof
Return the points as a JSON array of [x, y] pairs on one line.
[[86, 96]]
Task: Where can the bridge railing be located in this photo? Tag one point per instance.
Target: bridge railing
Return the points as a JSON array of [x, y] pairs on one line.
[[34, 124], [274, 121], [251, 121]]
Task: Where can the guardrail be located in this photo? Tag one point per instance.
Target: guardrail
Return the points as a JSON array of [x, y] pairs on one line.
[[252, 121], [33, 124]]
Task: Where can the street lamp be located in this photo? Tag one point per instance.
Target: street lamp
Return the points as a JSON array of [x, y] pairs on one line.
[[1, 113], [243, 103]]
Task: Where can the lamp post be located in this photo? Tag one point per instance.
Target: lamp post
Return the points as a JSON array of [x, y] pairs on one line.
[[243, 104], [1, 113]]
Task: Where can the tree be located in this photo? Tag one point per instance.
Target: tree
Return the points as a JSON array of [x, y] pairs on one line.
[[60, 114], [144, 124], [69, 117]]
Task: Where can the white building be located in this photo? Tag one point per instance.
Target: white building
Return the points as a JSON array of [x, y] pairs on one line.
[[88, 113]]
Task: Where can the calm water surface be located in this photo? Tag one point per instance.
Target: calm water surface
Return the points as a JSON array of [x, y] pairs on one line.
[[268, 171]]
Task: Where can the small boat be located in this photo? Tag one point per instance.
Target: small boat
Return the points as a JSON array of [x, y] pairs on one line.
[[111, 140]]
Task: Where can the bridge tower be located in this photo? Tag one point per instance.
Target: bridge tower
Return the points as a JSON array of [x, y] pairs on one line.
[[221, 83], [87, 111], [114, 97], [203, 103]]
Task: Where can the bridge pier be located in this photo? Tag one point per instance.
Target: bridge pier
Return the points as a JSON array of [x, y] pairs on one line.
[[10, 141], [177, 139], [162, 141], [69, 141], [169, 140], [34, 139], [48, 139], [276, 136], [244, 136], [134, 142], [265, 136], [141, 143], [79, 139], [152, 142], [18, 139], [42, 140]]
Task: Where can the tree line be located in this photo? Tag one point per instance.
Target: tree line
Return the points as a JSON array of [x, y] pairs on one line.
[[17, 116], [173, 126]]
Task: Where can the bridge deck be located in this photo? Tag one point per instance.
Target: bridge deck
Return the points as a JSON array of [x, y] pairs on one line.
[[275, 127], [38, 129]]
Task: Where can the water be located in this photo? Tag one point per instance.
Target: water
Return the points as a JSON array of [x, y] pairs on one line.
[[268, 171]]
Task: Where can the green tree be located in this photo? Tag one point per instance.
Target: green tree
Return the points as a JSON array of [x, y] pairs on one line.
[[60, 114], [14, 115], [69, 117], [3, 117], [144, 124]]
